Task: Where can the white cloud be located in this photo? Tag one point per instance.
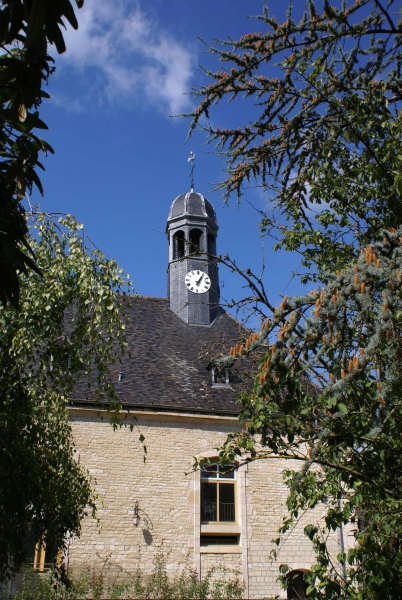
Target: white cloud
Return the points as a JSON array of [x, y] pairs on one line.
[[121, 55], [311, 206]]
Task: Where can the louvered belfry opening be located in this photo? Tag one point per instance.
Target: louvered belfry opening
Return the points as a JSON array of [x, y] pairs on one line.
[[211, 244], [178, 245], [195, 241]]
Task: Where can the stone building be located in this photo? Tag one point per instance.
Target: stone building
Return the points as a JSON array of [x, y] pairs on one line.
[[184, 409]]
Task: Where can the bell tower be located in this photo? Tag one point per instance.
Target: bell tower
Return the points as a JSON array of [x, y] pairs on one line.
[[193, 282]]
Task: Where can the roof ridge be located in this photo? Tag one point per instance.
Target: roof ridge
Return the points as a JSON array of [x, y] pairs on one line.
[[146, 297]]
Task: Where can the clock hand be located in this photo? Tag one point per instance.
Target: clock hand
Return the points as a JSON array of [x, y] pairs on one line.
[[198, 282]]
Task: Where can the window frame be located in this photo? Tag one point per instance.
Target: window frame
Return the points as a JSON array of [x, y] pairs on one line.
[[221, 539], [41, 555], [56, 361], [216, 384], [218, 481], [39, 561]]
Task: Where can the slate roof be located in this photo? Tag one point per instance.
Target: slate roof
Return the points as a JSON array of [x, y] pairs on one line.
[[167, 369], [191, 204]]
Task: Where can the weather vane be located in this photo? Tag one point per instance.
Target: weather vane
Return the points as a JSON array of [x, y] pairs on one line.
[[191, 159]]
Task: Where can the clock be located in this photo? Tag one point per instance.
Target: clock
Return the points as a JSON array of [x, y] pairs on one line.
[[198, 282]]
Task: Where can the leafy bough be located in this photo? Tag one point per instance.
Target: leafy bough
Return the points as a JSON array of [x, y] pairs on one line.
[[76, 309], [328, 394]]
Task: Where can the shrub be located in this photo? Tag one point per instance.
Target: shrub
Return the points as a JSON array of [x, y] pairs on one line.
[[112, 582]]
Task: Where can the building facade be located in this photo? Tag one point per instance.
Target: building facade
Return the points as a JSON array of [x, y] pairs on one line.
[[184, 409]]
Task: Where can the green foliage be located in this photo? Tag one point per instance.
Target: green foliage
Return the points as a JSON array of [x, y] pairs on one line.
[[326, 148], [76, 307], [328, 393], [111, 581], [26, 29], [326, 144]]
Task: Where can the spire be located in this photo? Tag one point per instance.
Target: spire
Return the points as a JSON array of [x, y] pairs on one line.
[[191, 160]]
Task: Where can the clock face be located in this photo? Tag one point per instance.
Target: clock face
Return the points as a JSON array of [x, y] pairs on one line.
[[198, 282]]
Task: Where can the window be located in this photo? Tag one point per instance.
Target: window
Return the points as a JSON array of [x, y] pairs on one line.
[[60, 358], [40, 555], [195, 241], [178, 245], [218, 494], [219, 540], [220, 377]]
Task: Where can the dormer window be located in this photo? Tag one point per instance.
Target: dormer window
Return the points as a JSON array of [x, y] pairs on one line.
[[220, 377], [60, 358]]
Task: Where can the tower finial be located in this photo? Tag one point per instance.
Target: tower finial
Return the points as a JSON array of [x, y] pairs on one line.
[[191, 160]]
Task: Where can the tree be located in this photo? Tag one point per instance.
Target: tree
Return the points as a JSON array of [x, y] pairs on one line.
[[328, 394], [68, 326], [26, 29], [325, 144], [327, 148]]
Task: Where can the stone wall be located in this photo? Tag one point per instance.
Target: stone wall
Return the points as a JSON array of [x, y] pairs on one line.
[[266, 507], [168, 493], [224, 565], [163, 485]]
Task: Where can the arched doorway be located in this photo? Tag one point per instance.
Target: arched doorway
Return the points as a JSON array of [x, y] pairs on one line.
[[297, 587]]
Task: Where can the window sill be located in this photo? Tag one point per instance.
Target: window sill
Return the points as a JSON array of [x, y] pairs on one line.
[[229, 549], [220, 528]]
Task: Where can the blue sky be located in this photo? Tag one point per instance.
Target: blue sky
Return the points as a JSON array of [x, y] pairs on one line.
[[120, 159]]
